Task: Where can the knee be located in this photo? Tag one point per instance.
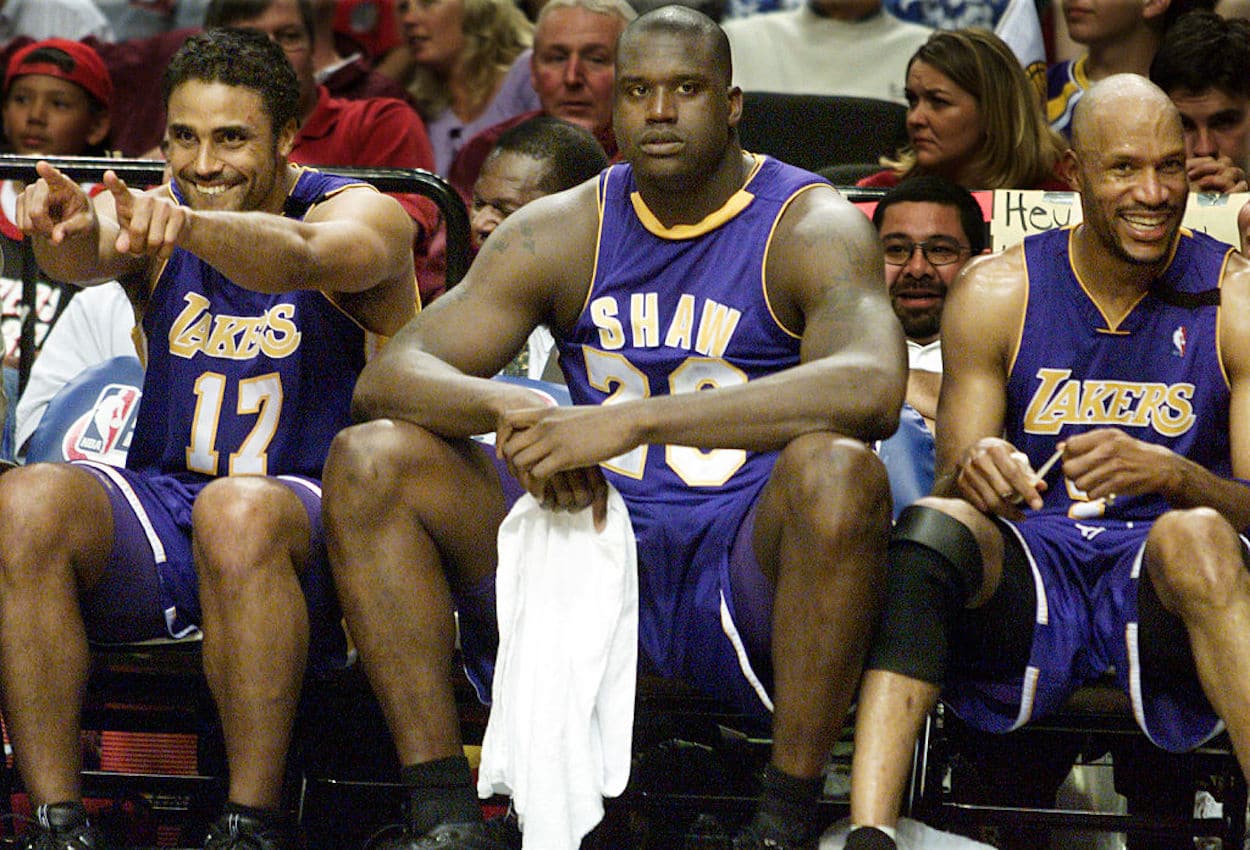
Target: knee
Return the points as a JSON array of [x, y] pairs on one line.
[[242, 525], [1194, 557], [369, 463], [835, 486], [46, 517]]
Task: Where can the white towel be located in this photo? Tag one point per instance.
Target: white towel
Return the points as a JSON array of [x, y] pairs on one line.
[[561, 722]]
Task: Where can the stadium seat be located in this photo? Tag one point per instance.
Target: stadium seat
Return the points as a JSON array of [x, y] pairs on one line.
[[92, 417], [816, 131], [1002, 787]]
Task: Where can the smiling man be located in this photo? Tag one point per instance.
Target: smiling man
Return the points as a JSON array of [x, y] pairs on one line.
[[929, 228], [255, 281], [1115, 357], [700, 296]]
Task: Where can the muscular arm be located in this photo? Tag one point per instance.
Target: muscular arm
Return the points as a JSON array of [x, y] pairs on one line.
[[824, 273], [980, 323], [351, 242], [435, 372]]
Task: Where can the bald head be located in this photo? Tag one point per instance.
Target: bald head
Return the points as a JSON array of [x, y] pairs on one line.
[[688, 24], [1116, 100]]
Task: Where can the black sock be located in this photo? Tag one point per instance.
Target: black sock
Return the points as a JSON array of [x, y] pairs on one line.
[[788, 804], [440, 791], [869, 838], [266, 818]]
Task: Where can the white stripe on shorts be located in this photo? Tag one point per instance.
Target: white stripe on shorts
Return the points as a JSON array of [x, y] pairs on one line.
[[308, 485], [132, 499], [730, 628]]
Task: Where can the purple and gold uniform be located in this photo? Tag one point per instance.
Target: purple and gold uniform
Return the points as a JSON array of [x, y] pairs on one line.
[[1155, 374], [237, 382], [1065, 83], [674, 310]]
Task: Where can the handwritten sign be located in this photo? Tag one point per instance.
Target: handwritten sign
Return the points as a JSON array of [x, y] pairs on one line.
[[1020, 213]]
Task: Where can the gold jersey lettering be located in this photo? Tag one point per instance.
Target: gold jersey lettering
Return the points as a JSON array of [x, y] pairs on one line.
[[603, 315], [1060, 400], [197, 331], [716, 327]]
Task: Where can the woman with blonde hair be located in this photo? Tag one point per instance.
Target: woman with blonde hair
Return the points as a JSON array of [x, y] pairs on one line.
[[974, 118], [470, 67]]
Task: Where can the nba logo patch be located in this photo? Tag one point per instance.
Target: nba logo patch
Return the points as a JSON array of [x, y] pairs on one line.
[[103, 433], [1178, 341]]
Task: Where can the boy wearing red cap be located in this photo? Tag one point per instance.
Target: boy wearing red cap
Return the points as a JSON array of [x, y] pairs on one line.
[[56, 99], [57, 95]]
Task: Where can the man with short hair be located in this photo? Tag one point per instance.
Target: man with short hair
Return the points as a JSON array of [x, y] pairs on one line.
[[536, 158], [572, 69], [256, 281], [1092, 467], [1119, 38], [373, 131], [717, 300], [1203, 64], [929, 228]]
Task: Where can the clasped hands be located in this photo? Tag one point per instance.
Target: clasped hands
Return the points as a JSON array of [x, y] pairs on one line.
[[555, 453]]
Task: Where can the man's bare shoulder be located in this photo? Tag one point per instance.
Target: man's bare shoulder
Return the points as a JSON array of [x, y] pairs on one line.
[[1235, 314], [995, 277], [822, 234], [559, 231], [820, 211], [985, 304]]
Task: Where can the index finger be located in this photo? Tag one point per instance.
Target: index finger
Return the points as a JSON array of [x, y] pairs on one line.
[[118, 188], [52, 175]]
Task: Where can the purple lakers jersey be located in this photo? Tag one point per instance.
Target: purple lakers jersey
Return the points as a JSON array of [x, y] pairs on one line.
[[683, 309], [677, 310], [241, 382], [1155, 374]]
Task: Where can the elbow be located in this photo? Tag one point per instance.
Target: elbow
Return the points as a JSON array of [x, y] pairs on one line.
[[368, 401], [876, 404]]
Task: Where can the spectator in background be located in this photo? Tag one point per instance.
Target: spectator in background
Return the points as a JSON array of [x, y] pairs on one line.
[[56, 102], [1119, 37], [973, 118], [536, 158], [42, 19], [572, 70], [141, 19], [373, 27], [1203, 63], [351, 76], [833, 47], [377, 131], [929, 228], [466, 76], [97, 325]]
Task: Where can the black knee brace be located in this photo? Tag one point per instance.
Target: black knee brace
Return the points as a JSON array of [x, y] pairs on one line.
[[935, 568]]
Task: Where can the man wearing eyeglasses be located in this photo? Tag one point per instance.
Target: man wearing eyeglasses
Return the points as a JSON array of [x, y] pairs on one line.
[[929, 228], [1093, 467]]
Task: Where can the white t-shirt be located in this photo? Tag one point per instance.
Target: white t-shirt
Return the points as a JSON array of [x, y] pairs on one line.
[[925, 358], [800, 52]]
